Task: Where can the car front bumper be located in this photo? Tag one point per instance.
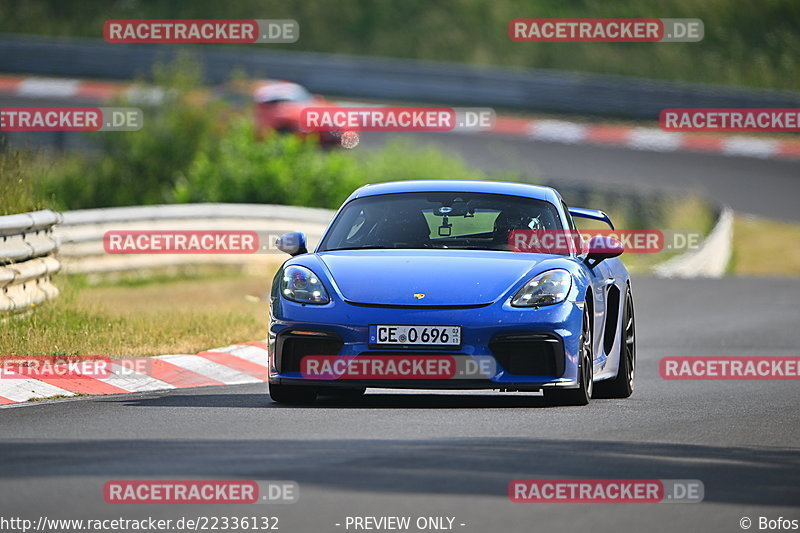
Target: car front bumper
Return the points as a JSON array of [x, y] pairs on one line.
[[532, 348]]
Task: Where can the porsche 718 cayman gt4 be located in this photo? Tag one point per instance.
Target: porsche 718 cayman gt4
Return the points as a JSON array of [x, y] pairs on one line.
[[420, 284]]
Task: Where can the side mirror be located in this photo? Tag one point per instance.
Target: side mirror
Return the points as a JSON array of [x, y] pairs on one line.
[[602, 248], [293, 243]]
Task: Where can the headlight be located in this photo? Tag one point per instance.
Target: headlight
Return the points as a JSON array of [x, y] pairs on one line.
[[301, 285], [547, 288]]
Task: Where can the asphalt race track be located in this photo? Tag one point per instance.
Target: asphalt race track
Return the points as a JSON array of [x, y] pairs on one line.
[[454, 454]]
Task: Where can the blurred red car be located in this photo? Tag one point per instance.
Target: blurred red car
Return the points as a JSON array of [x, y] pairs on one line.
[[278, 105]]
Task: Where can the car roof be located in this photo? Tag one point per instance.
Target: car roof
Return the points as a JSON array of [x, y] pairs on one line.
[[525, 190], [266, 90]]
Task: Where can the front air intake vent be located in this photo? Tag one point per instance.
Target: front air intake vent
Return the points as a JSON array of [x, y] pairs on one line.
[[529, 354], [290, 349]]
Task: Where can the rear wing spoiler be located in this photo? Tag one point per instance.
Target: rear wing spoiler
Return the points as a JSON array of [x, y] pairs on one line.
[[592, 214]]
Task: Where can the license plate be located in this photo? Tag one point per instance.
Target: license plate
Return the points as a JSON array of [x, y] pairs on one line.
[[415, 335]]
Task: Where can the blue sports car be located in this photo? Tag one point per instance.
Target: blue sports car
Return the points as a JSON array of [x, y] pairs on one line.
[[421, 284]]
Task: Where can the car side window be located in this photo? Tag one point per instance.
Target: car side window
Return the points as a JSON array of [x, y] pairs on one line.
[[570, 222]]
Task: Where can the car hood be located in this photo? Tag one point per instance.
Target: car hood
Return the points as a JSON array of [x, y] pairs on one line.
[[444, 277]]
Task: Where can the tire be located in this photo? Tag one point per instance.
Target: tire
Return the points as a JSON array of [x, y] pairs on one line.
[[292, 394], [583, 393], [622, 385]]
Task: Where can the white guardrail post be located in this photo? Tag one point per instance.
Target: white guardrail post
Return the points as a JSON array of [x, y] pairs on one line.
[[27, 260], [711, 260]]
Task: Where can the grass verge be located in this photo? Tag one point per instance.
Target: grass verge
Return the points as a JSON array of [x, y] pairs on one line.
[[135, 317], [763, 247]]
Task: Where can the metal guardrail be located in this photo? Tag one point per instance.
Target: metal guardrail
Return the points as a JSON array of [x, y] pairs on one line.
[[27, 260], [81, 233], [389, 79]]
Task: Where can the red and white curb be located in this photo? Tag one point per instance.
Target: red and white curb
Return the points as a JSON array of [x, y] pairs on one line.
[[556, 131], [650, 139], [232, 365], [633, 137], [103, 91]]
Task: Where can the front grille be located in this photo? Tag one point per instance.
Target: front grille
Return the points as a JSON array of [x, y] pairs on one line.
[[534, 354], [290, 349]]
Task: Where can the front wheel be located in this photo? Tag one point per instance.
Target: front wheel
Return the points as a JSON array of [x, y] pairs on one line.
[[583, 393], [622, 385], [292, 394]]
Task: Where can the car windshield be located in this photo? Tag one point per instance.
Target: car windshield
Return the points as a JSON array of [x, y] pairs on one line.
[[467, 221]]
